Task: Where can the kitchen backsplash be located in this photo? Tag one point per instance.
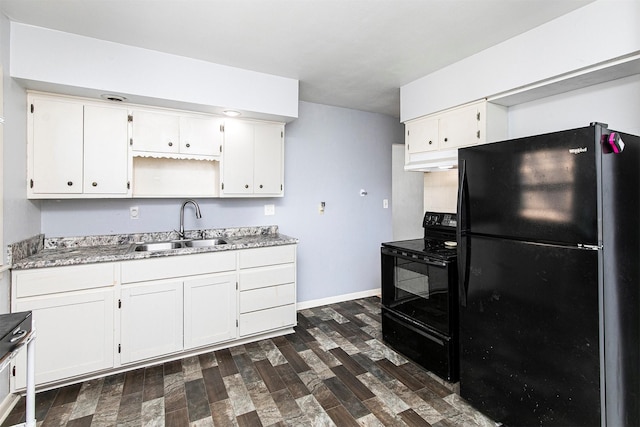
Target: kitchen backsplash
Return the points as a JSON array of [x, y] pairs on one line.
[[441, 191]]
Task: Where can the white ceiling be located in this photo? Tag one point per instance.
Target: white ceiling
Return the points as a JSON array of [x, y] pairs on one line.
[[347, 53]]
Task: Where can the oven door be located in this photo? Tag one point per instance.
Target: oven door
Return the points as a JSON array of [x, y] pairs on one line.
[[419, 289]]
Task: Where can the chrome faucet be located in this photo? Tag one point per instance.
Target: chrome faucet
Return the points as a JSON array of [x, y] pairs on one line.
[[198, 215]]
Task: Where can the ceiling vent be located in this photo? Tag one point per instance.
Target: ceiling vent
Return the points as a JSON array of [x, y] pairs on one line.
[[112, 97]]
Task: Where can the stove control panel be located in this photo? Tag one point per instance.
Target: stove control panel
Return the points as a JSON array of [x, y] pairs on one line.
[[436, 219]]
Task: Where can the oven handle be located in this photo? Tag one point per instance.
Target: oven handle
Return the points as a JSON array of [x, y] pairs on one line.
[[425, 333], [400, 254]]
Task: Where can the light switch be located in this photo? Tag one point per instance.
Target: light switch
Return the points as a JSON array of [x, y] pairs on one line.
[[385, 203], [269, 209]]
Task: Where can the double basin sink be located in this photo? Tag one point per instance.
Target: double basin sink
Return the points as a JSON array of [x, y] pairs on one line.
[[176, 244]]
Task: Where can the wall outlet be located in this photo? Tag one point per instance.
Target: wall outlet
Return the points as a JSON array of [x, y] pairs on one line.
[[134, 212], [269, 209], [385, 203]]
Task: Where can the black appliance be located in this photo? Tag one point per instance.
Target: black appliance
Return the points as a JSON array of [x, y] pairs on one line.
[[420, 297], [13, 328], [548, 251]]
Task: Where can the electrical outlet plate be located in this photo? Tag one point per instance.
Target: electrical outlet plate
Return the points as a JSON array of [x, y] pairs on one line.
[[134, 212], [269, 209]]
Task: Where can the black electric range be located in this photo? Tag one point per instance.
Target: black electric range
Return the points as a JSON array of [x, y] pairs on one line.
[[420, 296]]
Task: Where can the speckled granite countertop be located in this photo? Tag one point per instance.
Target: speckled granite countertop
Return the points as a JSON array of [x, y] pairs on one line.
[[38, 252]]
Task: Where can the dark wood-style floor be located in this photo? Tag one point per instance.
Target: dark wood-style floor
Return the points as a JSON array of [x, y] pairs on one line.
[[334, 370]]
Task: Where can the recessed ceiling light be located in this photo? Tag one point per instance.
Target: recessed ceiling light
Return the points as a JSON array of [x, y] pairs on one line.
[[112, 97], [231, 113]]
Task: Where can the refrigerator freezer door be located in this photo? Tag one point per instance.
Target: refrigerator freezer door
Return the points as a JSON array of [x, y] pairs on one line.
[[541, 188], [621, 296], [529, 338]]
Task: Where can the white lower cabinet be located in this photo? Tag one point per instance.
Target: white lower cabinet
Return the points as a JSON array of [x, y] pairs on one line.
[[196, 308], [93, 319], [151, 320], [74, 320], [209, 310], [267, 289]]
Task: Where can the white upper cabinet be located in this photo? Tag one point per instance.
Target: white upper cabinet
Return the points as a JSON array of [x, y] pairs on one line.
[[201, 135], [460, 128], [176, 133], [237, 158], [105, 155], [268, 163], [152, 131], [76, 149], [55, 147], [431, 142], [252, 159], [421, 135], [85, 148]]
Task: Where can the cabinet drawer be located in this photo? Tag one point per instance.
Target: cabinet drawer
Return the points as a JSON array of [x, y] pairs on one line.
[[42, 281], [176, 266], [267, 276], [264, 320], [267, 256], [273, 296]]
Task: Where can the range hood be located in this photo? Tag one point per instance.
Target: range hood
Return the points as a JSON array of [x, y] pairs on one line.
[[432, 161]]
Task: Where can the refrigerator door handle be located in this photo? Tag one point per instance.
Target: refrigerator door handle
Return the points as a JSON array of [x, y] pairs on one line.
[[462, 192], [463, 269], [463, 245]]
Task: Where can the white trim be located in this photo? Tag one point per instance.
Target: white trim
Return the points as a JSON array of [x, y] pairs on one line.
[[7, 405], [338, 298]]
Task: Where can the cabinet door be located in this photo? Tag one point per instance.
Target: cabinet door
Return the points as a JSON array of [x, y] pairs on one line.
[[237, 158], [200, 135], [154, 131], [421, 136], [268, 159], [105, 150], [74, 335], [151, 320], [56, 151], [459, 128], [209, 310]]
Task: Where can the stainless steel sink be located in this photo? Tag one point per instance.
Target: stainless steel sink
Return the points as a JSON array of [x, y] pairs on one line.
[[204, 243], [156, 246], [178, 244]]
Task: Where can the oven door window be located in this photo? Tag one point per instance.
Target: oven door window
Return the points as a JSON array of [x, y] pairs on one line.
[[421, 292]]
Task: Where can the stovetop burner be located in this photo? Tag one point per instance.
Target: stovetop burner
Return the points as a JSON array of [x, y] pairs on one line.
[[438, 229], [429, 248]]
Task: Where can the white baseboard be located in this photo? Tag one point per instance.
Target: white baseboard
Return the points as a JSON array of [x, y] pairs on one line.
[[338, 298], [7, 405]]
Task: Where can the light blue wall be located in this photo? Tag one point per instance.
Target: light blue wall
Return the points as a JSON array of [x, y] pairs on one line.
[[20, 217], [616, 103], [330, 154]]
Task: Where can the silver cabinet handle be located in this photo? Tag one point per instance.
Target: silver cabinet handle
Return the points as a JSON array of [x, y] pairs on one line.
[[18, 335]]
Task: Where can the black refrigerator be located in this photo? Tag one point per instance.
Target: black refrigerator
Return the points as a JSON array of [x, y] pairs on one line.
[[549, 278]]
